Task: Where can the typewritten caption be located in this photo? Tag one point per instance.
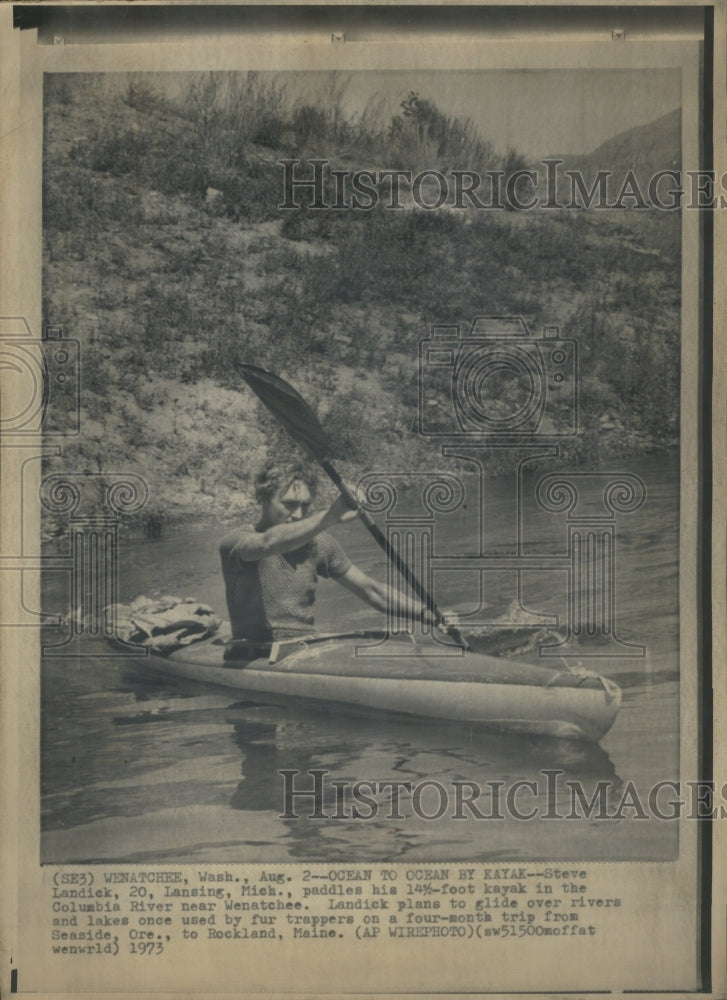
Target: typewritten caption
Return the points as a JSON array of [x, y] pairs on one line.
[[146, 913]]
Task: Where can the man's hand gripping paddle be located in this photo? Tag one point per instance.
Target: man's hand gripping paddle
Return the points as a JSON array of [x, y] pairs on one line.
[[296, 416]]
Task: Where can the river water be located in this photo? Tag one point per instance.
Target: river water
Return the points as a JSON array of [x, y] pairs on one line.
[[135, 768]]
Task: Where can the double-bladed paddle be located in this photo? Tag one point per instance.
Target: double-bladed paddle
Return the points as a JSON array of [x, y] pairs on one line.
[[296, 416]]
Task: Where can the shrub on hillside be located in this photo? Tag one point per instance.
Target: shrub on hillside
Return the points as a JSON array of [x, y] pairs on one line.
[[423, 137], [117, 151], [140, 94]]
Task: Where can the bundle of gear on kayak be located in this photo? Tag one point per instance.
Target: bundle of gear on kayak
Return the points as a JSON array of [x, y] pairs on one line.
[[163, 624]]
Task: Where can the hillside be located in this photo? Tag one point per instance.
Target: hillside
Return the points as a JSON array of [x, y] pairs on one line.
[[645, 149], [167, 257], [633, 159]]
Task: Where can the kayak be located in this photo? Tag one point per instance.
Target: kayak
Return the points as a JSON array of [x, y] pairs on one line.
[[394, 674]]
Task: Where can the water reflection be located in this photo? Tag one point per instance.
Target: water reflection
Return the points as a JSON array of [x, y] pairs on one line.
[[138, 767], [466, 763], [160, 750]]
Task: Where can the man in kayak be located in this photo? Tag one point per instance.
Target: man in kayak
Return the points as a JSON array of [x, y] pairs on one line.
[[271, 570]]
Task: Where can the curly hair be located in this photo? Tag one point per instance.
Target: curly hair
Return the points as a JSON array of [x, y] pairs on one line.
[[277, 474]]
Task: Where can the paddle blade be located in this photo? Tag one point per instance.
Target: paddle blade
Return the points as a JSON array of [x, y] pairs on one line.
[[288, 407]]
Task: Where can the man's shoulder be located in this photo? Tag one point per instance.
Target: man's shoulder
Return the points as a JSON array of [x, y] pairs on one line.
[[236, 535], [325, 541], [330, 555]]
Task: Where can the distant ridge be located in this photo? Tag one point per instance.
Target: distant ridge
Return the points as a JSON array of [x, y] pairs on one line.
[[655, 146], [643, 149]]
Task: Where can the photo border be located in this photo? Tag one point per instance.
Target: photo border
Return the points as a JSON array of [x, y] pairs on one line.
[[711, 498]]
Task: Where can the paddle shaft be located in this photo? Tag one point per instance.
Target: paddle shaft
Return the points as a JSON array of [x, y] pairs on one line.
[[380, 538]]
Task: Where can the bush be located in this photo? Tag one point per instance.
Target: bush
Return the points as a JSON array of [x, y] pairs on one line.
[[118, 152], [140, 95], [309, 124]]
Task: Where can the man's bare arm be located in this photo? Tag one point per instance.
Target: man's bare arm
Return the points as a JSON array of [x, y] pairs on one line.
[[379, 596], [292, 534]]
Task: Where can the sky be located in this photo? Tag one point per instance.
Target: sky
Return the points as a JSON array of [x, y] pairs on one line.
[[539, 112]]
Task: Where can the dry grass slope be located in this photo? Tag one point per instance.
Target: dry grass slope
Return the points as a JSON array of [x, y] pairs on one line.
[[167, 256]]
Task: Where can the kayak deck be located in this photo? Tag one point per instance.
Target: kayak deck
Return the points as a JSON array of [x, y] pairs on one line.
[[395, 676]]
